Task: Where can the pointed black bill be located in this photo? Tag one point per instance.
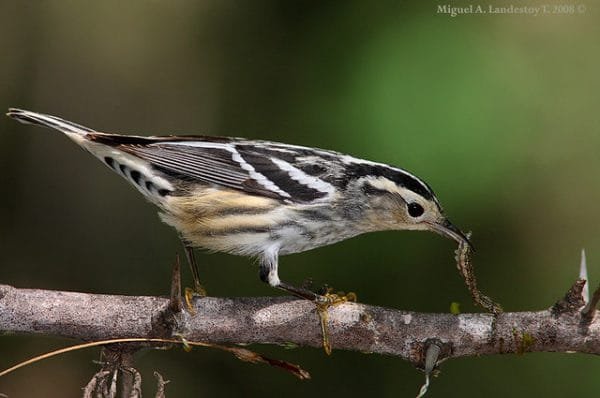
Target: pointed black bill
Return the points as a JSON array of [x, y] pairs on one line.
[[447, 229]]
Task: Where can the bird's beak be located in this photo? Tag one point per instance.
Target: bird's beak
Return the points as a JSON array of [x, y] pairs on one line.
[[447, 229]]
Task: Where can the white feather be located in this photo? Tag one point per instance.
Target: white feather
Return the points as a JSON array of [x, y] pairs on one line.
[[305, 179], [236, 157]]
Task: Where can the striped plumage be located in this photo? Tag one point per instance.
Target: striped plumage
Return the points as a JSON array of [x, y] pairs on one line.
[[260, 198]]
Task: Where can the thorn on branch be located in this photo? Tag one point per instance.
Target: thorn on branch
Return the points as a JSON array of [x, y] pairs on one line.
[[590, 309], [432, 354], [572, 301], [583, 274], [173, 318], [175, 302]]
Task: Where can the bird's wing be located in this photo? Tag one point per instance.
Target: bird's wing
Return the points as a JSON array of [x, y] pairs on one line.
[[258, 168]]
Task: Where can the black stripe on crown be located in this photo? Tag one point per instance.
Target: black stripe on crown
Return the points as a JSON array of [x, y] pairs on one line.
[[405, 180]]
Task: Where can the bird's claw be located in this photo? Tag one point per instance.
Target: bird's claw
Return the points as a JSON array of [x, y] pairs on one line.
[[323, 302], [189, 295]]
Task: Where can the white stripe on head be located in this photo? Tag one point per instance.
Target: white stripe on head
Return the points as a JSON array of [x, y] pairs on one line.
[[347, 159]]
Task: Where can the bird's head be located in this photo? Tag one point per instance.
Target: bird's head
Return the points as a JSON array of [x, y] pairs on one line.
[[396, 200]]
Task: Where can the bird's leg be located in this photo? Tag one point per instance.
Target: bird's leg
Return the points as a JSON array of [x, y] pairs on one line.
[[198, 289], [268, 273], [189, 253]]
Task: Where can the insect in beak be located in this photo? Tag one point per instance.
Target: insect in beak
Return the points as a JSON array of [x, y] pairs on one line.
[[447, 229]]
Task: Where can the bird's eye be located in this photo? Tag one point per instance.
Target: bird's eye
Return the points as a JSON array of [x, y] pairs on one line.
[[415, 210]]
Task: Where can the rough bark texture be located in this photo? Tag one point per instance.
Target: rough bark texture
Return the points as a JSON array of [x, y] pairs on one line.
[[282, 320]]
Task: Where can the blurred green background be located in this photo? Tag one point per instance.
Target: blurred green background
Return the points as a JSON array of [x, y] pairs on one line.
[[499, 113]]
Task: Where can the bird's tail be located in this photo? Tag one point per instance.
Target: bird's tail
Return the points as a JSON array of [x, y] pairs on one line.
[[73, 130]]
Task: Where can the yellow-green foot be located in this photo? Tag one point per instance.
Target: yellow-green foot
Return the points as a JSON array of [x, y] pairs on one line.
[[189, 295], [323, 303]]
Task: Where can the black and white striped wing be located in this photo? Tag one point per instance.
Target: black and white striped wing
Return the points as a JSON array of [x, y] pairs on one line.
[[243, 165], [285, 172]]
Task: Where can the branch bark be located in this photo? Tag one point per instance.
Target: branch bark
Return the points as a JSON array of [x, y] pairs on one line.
[[284, 320]]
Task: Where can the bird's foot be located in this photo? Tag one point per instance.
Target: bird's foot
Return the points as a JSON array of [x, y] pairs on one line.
[[323, 302], [197, 291]]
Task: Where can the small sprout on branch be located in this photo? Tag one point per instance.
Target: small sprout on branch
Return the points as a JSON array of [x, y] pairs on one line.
[[523, 341], [455, 308], [290, 346]]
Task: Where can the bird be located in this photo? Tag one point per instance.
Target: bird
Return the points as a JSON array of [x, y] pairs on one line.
[[260, 199]]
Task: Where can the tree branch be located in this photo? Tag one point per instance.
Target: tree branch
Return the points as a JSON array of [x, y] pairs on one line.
[[283, 320]]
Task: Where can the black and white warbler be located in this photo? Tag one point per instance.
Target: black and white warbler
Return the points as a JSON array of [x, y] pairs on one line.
[[258, 198]]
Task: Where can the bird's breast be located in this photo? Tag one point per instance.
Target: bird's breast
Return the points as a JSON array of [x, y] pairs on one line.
[[234, 222]]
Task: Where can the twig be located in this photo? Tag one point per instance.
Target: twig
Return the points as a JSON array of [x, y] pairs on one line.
[[90, 389], [160, 385], [284, 320], [113, 364], [136, 384], [112, 392]]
